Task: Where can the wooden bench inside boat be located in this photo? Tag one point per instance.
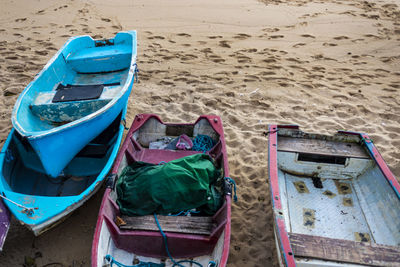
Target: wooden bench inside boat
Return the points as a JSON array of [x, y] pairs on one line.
[[46, 109], [178, 224], [321, 147], [309, 246]]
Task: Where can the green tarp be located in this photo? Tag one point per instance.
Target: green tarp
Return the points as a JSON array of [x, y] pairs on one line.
[[176, 186]]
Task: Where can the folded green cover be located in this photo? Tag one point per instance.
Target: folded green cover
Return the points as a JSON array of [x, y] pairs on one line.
[[176, 186]]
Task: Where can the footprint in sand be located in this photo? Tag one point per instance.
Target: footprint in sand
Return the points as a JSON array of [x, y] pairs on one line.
[[23, 48], [241, 36], [12, 57], [269, 60], [243, 59], [307, 36], [270, 30], [299, 45], [41, 52], [341, 37], [214, 37], [156, 37], [184, 34], [276, 36], [329, 44], [224, 44], [20, 20], [217, 60], [188, 57]]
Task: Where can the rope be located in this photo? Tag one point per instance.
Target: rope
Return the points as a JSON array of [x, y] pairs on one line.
[[232, 182], [28, 211], [136, 72], [202, 143], [184, 213], [123, 121], [175, 263], [112, 261]]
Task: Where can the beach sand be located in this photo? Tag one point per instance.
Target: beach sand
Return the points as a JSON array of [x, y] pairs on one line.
[[324, 65]]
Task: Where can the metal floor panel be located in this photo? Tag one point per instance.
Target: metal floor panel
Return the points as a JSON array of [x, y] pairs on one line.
[[332, 211]]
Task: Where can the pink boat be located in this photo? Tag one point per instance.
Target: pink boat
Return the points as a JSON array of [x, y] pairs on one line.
[[121, 240]]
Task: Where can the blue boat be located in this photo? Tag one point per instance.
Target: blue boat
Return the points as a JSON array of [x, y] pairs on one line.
[[40, 201], [79, 92]]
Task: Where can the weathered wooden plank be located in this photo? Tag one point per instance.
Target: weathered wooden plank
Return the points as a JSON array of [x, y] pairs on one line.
[[321, 147], [344, 250], [179, 224]]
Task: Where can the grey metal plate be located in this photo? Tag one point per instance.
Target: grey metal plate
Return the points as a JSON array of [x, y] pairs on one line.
[[314, 212]]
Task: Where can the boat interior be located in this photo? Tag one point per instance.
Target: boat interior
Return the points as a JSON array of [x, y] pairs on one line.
[[81, 79], [132, 239], [336, 202], [23, 172]]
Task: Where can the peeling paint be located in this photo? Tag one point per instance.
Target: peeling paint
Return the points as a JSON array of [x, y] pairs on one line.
[[348, 202], [309, 218], [329, 194], [301, 187], [362, 237], [343, 188]]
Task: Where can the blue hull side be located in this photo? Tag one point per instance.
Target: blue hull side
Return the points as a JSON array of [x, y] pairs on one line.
[[48, 210], [57, 150]]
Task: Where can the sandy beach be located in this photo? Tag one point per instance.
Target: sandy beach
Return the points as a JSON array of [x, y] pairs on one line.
[[324, 65]]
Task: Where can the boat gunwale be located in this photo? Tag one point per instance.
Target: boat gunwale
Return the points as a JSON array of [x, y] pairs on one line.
[[286, 253], [38, 134]]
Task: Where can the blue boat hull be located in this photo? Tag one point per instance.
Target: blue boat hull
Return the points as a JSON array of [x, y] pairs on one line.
[[57, 131], [52, 200]]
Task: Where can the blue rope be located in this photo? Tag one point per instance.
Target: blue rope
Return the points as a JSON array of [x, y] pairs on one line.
[[162, 162], [184, 213], [232, 182], [112, 261], [175, 263], [202, 143]]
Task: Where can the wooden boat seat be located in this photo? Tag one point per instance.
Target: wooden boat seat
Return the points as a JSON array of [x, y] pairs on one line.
[[178, 224], [321, 147], [60, 112], [344, 250]]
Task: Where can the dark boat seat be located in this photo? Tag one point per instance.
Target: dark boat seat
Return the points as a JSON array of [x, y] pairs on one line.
[[69, 92]]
